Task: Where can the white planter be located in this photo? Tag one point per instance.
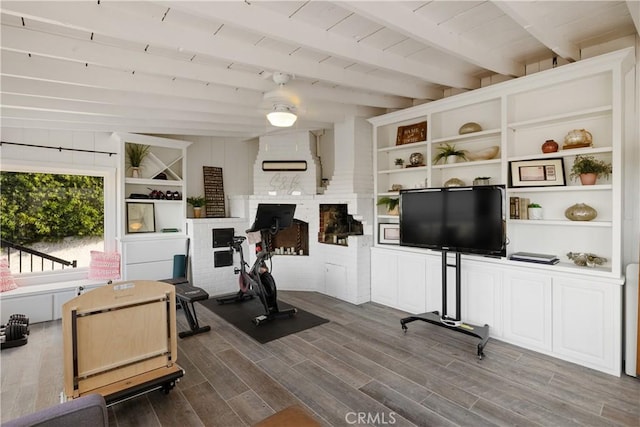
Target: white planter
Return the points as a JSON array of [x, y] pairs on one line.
[[452, 159], [535, 213]]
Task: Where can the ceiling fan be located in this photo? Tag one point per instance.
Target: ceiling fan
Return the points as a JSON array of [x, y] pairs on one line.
[[284, 104]]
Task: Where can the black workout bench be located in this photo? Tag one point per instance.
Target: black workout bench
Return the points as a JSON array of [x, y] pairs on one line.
[[186, 296]]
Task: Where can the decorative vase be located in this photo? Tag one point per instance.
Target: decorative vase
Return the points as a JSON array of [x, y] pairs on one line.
[[578, 137], [197, 212], [416, 159], [535, 213], [452, 159], [135, 172], [580, 212], [588, 178], [549, 146], [394, 211]]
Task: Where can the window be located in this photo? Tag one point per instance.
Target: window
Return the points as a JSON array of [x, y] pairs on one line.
[[52, 219]]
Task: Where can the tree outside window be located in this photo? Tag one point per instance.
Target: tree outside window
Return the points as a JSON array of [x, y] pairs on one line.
[[58, 214]]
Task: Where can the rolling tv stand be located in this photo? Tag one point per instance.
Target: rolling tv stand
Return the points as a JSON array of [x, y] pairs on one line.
[[445, 321]]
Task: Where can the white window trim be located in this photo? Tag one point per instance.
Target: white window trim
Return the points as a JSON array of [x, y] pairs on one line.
[[109, 175]]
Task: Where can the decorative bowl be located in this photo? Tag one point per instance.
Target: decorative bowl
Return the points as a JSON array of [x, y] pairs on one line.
[[469, 128], [454, 182], [484, 154]]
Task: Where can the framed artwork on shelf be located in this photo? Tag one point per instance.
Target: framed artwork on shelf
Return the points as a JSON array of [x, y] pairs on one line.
[[411, 133], [537, 173], [141, 217], [389, 234]]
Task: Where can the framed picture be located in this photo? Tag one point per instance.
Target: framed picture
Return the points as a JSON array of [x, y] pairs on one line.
[[141, 217], [537, 173], [389, 234], [411, 133]]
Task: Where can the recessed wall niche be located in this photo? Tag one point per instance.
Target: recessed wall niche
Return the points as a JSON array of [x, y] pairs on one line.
[[290, 241], [336, 224]]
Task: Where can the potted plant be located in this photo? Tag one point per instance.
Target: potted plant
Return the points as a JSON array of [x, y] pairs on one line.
[[197, 202], [589, 169], [450, 153], [399, 163], [534, 210], [391, 204], [135, 155]]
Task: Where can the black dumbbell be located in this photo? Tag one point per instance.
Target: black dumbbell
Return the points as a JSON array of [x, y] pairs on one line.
[[20, 317], [14, 332]]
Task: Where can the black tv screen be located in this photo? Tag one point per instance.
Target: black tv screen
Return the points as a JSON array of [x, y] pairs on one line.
[[460, 219]]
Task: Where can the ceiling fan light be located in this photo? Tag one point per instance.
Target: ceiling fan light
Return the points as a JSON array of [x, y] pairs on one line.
[[281, 117]]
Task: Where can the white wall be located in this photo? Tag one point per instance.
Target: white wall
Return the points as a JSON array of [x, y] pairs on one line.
[[233, 156]]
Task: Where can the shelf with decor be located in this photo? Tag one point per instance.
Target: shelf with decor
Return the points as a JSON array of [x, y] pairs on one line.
[[515, 119], [519, 116], [158, 182]]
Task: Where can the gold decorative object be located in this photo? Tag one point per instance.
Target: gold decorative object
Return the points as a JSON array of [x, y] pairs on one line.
[[416, 159], [578, 138], [580, 212], [469, 128], [454, 182], [586, 259], [485, 154]]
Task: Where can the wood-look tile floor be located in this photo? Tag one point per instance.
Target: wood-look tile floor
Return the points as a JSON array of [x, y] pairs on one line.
[[359, 369]]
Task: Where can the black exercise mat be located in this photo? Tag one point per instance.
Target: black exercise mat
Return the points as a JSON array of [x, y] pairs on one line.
[[241, 315]]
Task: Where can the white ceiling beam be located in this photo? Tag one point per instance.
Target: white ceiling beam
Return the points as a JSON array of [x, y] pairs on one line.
[[85, 51], [19, 64], [119, 110], [398, 17], [74, 72], [281, 27], [8, 111], [104, 20], [634, 11], [51, 89], [522, 12], [162, 129]]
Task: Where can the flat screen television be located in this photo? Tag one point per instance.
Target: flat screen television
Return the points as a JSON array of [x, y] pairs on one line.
[[460, 219]]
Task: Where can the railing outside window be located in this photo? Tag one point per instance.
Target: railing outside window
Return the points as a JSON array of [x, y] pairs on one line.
[[34, 258]]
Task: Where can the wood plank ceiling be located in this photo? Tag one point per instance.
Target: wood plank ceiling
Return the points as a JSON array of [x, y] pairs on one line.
[[206, 67]]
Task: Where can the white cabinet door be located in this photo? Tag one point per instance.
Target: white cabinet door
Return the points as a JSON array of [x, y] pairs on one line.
[[434, 284], [412, 284], [527, 309], [587, 323], [481, 296], [335, 280], [384, 277]]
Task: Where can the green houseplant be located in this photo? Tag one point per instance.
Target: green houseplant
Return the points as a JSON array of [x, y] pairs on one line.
[[391, 203], [534, 211], [589, 169], [399, 162], [197, 202], [136, 153], [450, 153]]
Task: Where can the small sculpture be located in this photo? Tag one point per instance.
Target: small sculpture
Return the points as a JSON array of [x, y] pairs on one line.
[[586, 259], [469, 128]]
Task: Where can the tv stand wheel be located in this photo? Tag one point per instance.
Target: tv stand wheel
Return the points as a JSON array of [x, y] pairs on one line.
[[480, 352]]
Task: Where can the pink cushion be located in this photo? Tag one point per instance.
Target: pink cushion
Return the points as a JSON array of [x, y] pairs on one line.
[[7, 282], [104, 265]]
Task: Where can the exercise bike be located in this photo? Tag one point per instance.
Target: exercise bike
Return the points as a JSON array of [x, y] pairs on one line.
[[257, 280]]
